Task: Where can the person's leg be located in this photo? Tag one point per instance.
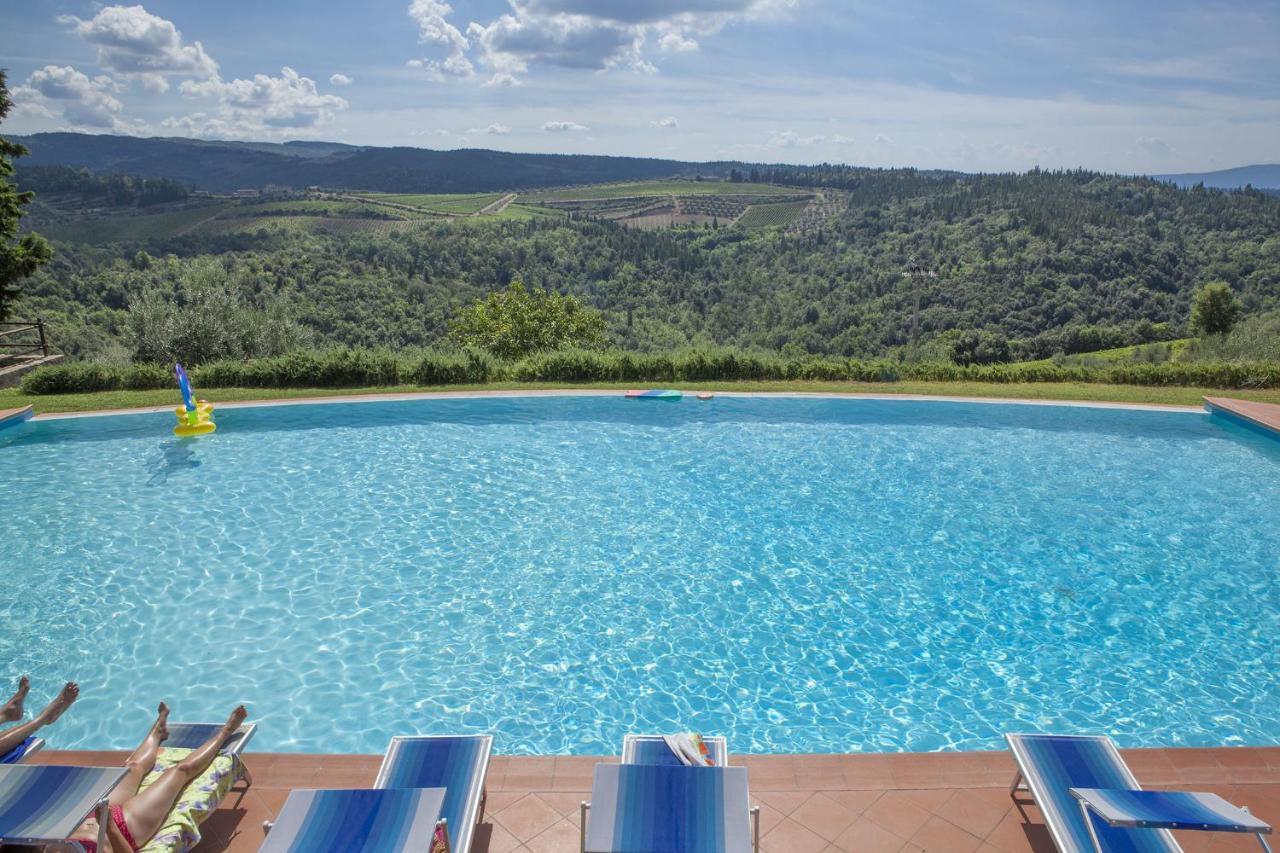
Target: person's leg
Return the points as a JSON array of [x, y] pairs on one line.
[[11, 737], [145, 813], [11, 711], [139, 764]]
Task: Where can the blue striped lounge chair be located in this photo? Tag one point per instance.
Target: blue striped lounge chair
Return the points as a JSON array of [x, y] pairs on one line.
[[1091, 801], [23, 751], [40, 805], [192, 735], [652, 749], [457, 763], [389, 820], [658, 808]]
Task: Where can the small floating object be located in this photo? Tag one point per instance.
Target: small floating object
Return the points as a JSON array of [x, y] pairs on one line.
[[195, 417], [655, 394], [706, 395]]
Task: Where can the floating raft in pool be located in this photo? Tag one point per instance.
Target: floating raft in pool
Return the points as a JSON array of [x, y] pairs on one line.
[[656, 394]]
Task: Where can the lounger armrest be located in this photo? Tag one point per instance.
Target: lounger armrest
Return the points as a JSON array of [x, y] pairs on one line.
[[1204, 812]]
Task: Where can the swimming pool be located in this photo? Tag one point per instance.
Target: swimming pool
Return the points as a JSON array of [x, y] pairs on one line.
[[800, 574]]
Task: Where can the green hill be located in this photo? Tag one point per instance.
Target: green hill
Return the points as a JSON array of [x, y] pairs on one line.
[[1050, 261]]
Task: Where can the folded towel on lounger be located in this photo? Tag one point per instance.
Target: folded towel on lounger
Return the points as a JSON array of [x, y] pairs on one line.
[[691, 749], [181, 830]]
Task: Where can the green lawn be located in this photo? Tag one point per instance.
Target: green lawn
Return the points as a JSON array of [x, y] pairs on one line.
[[12, 398]]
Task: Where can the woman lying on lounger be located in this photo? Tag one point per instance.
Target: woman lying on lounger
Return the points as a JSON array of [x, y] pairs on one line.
[[136, 815], [13, 710]]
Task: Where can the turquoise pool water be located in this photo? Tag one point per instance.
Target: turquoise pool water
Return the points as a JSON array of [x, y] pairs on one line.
[[802, 575]]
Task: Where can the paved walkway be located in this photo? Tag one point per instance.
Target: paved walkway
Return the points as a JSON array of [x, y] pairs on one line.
[[943, 802]]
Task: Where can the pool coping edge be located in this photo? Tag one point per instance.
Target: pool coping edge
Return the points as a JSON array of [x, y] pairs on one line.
[[587, 392], [13, 417]]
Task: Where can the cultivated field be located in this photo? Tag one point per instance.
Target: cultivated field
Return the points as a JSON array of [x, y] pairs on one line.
[[645, 204], [650, 188], [771, 215]]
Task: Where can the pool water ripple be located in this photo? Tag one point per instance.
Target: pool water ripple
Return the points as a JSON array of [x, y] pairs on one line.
[[802, 575]]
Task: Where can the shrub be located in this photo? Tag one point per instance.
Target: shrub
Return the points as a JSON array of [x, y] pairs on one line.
[[336, 368], [201, 317], [339, 368], [1214, 309], [454, 368], [74, 378], [979, 347], [516, 322], [147, 377]]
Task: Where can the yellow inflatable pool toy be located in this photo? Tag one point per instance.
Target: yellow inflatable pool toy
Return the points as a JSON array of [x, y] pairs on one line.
[[195, 417], [199, 422]]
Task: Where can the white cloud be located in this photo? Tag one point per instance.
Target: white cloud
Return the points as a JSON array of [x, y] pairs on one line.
[[563, 127], [503, 80], [669, 121], [434, 28], [1155, 146], [791, 139], [137, 44], [590, 35], [82, 101], [493, 130], [289, 101], [675, 41], [340, 79]]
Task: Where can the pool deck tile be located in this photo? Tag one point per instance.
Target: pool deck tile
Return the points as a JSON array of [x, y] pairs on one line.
[[9, 417], [896, 803], [1263, 415]]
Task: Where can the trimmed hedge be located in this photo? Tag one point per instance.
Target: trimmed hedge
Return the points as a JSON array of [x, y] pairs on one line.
[[350, 368]]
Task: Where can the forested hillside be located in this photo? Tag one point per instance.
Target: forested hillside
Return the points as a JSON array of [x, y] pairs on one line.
[[226, 166], [1052, 261]]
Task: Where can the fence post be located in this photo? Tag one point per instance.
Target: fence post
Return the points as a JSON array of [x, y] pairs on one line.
[[44, 344]]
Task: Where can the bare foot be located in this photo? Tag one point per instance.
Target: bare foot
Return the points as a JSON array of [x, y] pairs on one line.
[[237, 717], [160, 729], [70, 692], [12, 710]]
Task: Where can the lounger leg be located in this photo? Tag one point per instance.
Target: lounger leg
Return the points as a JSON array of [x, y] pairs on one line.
[[1261, 838], [1088, 822], [1017, 783], [582, 826], [755, 829], [104, 815]]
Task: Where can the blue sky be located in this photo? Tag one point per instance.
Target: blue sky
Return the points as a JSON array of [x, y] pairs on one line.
[[1127, 85]]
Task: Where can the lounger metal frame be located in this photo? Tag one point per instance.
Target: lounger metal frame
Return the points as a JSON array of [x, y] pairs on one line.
[[476, 796], [1022, 781]]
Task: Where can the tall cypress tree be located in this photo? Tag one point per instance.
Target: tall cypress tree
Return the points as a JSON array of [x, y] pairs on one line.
[[19, 257]]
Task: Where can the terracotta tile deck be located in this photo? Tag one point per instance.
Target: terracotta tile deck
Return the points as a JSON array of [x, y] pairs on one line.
[[1264, 415], [809, 803], [13, 416]]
